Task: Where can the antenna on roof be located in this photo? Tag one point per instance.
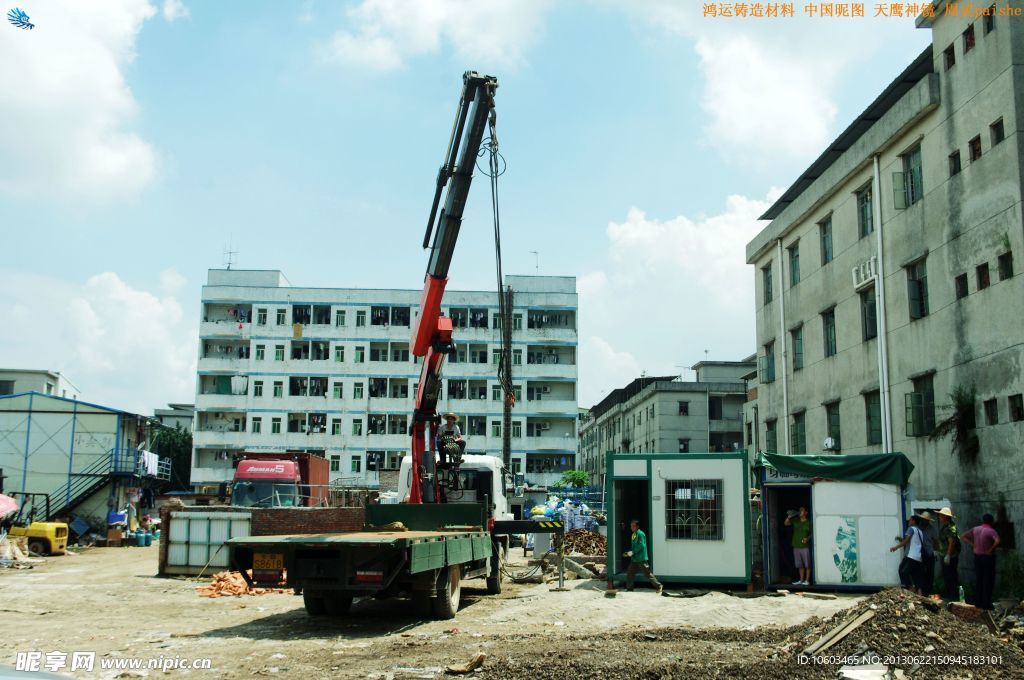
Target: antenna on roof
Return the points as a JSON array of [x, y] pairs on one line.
[[229, 255]]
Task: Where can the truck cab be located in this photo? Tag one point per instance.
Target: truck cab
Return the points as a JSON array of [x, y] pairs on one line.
[[478, 478], [266, 484]]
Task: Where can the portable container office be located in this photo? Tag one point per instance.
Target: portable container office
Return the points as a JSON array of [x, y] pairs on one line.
[[857, 509], [694, 509]]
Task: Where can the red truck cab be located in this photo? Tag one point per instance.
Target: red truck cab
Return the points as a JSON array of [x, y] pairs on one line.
[[266, 484]]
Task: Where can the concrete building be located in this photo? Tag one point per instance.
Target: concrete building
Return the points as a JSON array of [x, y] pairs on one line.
[[176, 415], [666, 415], [17, 381], [328, 370], [87, 459], [885, 281]]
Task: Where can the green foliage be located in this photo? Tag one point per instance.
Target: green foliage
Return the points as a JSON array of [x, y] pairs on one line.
[[175, 444], [574, 478], [960, 424]]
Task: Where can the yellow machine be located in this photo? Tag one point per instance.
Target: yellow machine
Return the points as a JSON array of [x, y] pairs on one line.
[[44, 538]]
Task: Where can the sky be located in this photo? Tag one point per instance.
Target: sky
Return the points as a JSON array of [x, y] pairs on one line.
[[142, 139]]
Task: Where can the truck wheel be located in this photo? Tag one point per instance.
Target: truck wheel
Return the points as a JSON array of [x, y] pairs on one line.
[[449, 586], [314, 603], [337, 604], [497, 563], [39, 547]]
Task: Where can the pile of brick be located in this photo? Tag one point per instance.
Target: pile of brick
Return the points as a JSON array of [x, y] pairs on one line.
[[584, 542], [231, 583]]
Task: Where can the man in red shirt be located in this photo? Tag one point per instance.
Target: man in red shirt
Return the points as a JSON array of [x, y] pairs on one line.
[[983, 540]]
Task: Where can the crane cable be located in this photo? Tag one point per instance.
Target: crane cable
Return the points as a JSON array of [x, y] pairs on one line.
[[496, 168]]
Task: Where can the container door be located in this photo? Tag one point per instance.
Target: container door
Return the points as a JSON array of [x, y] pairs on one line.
[[855, 523]]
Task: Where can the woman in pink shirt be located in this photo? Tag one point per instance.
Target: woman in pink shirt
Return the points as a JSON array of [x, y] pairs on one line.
[[983, 540]]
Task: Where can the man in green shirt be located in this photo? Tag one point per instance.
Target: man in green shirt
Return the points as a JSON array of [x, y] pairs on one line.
[[949, 552], [638, 558], [801, 545]]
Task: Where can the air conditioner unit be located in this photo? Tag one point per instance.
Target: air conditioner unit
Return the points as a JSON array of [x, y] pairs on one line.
[[546, 389], [544, 426], [830, 444]]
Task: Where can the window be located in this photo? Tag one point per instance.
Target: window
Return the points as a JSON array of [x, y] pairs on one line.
[[335, 425], [684, 446], [832, 423], [495, 428], [954, 163], [282, 317], [794, 264], [694, 510], [828, 325], [991, 412], [873, 417], [357, 390], [771, 444], [357, 427], [949, 55], [517, 322], [360, 354], [335, 463], [257, 425], [981, 271], [339, 390], [865, 217], [988, 22], [920, 407], [969, 39], [260, 352], [495, 392], [684, 408], [357, 464], [517, 357], [278, 352], [766, 282], [361, 318], [278, 388], [917, 290], [261, 317], [798, 435], [714, 409], [1016, 407], [257, 388], [495, 356], [339, 317], [6, 387], [797, 339], [517, 429], [1005, 266], [911, 179], [768, 363], [825, 235], [974, 148], [275, 426], [868, 315], [961, 286], [996, 132], [339, 354]]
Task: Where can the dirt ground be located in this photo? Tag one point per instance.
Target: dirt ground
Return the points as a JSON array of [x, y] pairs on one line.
[[110, 602]]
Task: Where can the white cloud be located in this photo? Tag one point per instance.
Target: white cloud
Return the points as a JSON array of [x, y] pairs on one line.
[[174, 10], [66, 106], [123, 347], [669, 290], [383, 34]]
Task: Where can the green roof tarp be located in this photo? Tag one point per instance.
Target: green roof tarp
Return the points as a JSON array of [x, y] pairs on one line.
[[882, 468]]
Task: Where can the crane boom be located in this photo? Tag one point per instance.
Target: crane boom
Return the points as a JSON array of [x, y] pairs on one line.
[[432, 333]]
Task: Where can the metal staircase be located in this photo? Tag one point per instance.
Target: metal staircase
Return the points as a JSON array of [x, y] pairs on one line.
[[83, 484]]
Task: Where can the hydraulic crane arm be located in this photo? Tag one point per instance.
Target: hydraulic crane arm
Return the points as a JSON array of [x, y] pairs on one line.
[[432, 334]]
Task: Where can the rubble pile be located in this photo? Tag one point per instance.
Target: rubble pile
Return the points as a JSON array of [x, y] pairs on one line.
[[231, 583], [1011, 625], [897, 623], [584, 542]]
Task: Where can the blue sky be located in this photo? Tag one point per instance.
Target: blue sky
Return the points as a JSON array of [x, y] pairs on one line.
[[642, 141]]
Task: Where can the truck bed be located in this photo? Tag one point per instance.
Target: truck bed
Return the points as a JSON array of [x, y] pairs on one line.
[[353, 538]]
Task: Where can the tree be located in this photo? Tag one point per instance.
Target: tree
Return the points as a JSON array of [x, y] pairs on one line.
[[960, 424], [574, 478], [176, 444]]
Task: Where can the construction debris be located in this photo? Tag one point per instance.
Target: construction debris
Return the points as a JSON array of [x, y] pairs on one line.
[[584, 542], [231, 583], [468, 667]]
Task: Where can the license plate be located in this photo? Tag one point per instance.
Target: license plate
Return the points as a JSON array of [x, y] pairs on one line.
[[267, 561]]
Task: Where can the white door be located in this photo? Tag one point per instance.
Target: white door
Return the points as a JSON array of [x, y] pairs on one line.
[[855, 524]]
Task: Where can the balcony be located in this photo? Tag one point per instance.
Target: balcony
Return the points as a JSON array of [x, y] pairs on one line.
[[222, 439], [727, 424], [542, 371], [208, 402], [551, 443], [212, 475], [223, 363], [553, 406], [224, 329]]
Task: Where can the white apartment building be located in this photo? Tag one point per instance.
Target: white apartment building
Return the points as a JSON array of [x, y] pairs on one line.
[[19, 381], [328, 371]]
